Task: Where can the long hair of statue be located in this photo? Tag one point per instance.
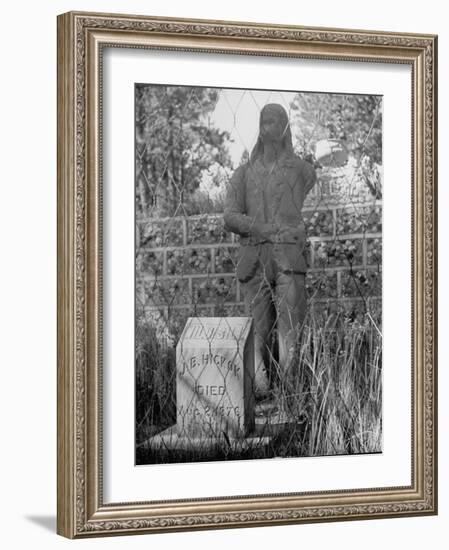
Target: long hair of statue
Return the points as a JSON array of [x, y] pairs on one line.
[[287, 141]]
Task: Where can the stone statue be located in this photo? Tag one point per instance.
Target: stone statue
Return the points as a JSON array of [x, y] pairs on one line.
[[263, 206]]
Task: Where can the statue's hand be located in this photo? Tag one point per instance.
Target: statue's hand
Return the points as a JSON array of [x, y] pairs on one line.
[[266, 231], [292, 234]]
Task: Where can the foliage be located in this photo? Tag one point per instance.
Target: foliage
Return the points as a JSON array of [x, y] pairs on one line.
[[175, 145], [155, 382], [356, 120], [333, 392]]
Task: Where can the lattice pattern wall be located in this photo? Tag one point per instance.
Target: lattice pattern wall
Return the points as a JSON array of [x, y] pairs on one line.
[[189, 263]]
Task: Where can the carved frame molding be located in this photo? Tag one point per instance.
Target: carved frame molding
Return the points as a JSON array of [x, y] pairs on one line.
[[81, 37]]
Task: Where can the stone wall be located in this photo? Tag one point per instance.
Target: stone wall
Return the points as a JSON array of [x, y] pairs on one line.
[[185, 265]]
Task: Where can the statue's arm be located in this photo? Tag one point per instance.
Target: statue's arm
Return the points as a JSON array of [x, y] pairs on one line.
[[235, 213], [296, 234], [309, 175]]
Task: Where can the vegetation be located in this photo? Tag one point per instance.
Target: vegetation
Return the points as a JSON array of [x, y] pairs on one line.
[[334, 395], [175, 146], [356, 120]]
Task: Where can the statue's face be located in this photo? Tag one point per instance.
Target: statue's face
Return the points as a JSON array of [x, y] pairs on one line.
[[272, 127]]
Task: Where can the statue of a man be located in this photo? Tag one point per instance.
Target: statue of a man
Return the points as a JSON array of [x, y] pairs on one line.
[[263, 205]]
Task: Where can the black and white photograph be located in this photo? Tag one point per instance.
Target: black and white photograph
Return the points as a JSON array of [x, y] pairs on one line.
[[258, 274]]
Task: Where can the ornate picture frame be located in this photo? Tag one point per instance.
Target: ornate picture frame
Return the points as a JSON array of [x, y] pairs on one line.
[[82, 476]]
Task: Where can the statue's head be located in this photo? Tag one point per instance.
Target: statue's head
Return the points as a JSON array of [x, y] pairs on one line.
[[274, 127]]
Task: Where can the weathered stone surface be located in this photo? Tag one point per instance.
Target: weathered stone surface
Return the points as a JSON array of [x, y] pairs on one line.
[[215, 374]]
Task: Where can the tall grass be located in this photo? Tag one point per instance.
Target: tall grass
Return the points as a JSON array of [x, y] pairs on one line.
[[155, 383], [333, 391], [336, 387]]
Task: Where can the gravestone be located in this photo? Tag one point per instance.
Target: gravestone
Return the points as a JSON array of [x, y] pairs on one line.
[[215, 374]]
